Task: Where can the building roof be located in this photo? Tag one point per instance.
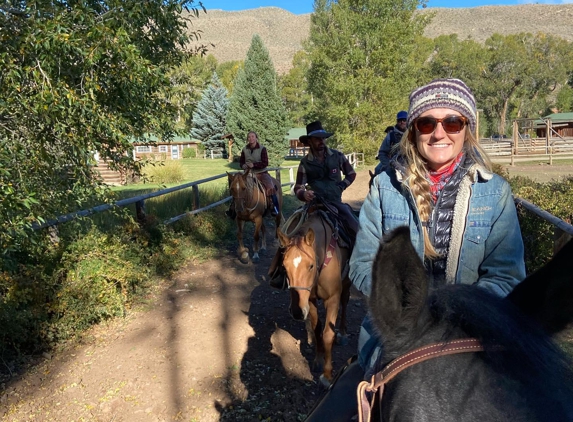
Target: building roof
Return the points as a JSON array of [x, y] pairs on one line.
[[555, 118]]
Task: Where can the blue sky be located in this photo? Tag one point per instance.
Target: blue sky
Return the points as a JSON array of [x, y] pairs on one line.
[[305, 6]]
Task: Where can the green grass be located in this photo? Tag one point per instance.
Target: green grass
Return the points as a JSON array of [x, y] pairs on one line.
[[197, 169]]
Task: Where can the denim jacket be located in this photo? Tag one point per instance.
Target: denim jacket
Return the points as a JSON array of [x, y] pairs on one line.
[[486, 247]]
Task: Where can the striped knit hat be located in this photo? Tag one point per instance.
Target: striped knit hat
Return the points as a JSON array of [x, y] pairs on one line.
[[443, 93]]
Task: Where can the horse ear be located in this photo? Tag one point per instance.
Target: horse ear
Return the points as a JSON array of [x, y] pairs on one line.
[[229, 176], [309, 237], [547, 294], [283, 238], [399, 284]]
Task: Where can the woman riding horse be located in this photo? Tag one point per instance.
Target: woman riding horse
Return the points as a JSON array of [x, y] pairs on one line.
[[254, 157]]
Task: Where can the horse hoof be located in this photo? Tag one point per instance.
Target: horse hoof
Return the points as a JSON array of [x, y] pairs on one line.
[[255, 258], [341, 340], [324, 381], [317, 366], [244, 258]]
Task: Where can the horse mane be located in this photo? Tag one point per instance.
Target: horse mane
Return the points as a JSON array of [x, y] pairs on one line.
[[251, 183], [472, 311]]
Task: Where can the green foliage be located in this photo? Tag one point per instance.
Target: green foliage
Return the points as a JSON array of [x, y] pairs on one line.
[[77, 80], [294, 90], [164, 172], [210, 116], [189, 153], [256, 105], [228, 73], [512, 76], [91, 274], [188, 80], [554, 197], [564, 101], [96, 277], [361, 66]]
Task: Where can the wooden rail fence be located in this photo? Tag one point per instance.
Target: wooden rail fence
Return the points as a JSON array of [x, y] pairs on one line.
[[563, 230]]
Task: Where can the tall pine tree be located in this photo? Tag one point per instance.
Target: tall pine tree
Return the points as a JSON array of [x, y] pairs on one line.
[[210, 116], [256, 105]]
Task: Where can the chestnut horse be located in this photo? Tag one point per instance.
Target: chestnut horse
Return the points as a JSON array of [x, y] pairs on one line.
[[251, 205], [316, 268]]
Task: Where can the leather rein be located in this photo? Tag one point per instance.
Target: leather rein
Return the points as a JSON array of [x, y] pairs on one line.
[[396, 366]]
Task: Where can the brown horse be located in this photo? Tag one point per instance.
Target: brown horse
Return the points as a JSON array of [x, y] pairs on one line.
[[316, 269], [251, 205]]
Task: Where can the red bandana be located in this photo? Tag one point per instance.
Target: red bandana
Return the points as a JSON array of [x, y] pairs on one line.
[[438, 179]]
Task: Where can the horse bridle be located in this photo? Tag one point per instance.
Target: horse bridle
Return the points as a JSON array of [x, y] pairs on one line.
[[468, 345], [327, 257], [247, 197]]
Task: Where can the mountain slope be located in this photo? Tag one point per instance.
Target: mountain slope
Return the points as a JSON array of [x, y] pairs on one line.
[[283, 32]]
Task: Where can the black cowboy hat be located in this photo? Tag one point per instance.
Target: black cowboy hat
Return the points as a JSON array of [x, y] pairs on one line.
[[314, 129]]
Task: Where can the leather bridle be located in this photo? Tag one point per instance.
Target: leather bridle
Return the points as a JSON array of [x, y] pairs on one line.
[[421, 354], [327, 257]]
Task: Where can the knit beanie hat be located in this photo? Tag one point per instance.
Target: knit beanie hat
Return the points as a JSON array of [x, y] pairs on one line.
[[443, 93]]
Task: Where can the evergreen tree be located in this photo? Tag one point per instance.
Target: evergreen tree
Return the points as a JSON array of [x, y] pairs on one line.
[[256, 105], [210, 116]]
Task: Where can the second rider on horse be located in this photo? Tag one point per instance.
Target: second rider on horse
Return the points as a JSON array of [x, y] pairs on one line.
[[319, 177], [254, 156]]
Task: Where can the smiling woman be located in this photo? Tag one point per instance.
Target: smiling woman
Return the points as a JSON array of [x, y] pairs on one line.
[[460, 215]]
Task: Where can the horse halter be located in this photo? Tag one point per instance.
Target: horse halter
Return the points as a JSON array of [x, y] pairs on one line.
[[316, 275], [330, 251], [468, 345], [250, 192]]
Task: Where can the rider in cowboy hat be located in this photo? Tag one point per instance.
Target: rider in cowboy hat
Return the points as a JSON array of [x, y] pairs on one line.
[[321, 170]]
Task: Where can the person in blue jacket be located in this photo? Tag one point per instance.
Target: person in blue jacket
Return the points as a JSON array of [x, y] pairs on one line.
[[461, 216], [389, 144]]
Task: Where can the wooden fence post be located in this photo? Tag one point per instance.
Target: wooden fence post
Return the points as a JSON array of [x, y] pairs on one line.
[[140, 211], [195, 197]]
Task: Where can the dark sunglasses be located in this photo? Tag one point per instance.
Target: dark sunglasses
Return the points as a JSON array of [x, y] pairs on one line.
[[451, 124]]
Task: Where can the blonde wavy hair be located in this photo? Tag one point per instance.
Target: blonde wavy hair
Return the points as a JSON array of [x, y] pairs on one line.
[[416, 179]]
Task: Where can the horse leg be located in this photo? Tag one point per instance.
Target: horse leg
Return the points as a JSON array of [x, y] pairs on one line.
[[263, 236], [341, 337], [259, 230], [315, 332], [242, 251], [331, 305]]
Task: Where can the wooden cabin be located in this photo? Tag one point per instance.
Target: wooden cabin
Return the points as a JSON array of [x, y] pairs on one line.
[[559, 125], [160, 150]]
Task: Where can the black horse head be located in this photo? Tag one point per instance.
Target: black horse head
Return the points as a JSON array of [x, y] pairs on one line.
[[520, 376]]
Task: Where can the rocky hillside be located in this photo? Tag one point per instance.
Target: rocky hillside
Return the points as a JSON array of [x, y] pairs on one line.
[[284, 32]]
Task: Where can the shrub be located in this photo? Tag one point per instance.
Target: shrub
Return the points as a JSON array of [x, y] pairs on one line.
[[554, 197], [189, 153], [165, 172], [96, 277]]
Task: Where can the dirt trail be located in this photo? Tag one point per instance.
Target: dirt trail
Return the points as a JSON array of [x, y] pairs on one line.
[[215, 344]]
